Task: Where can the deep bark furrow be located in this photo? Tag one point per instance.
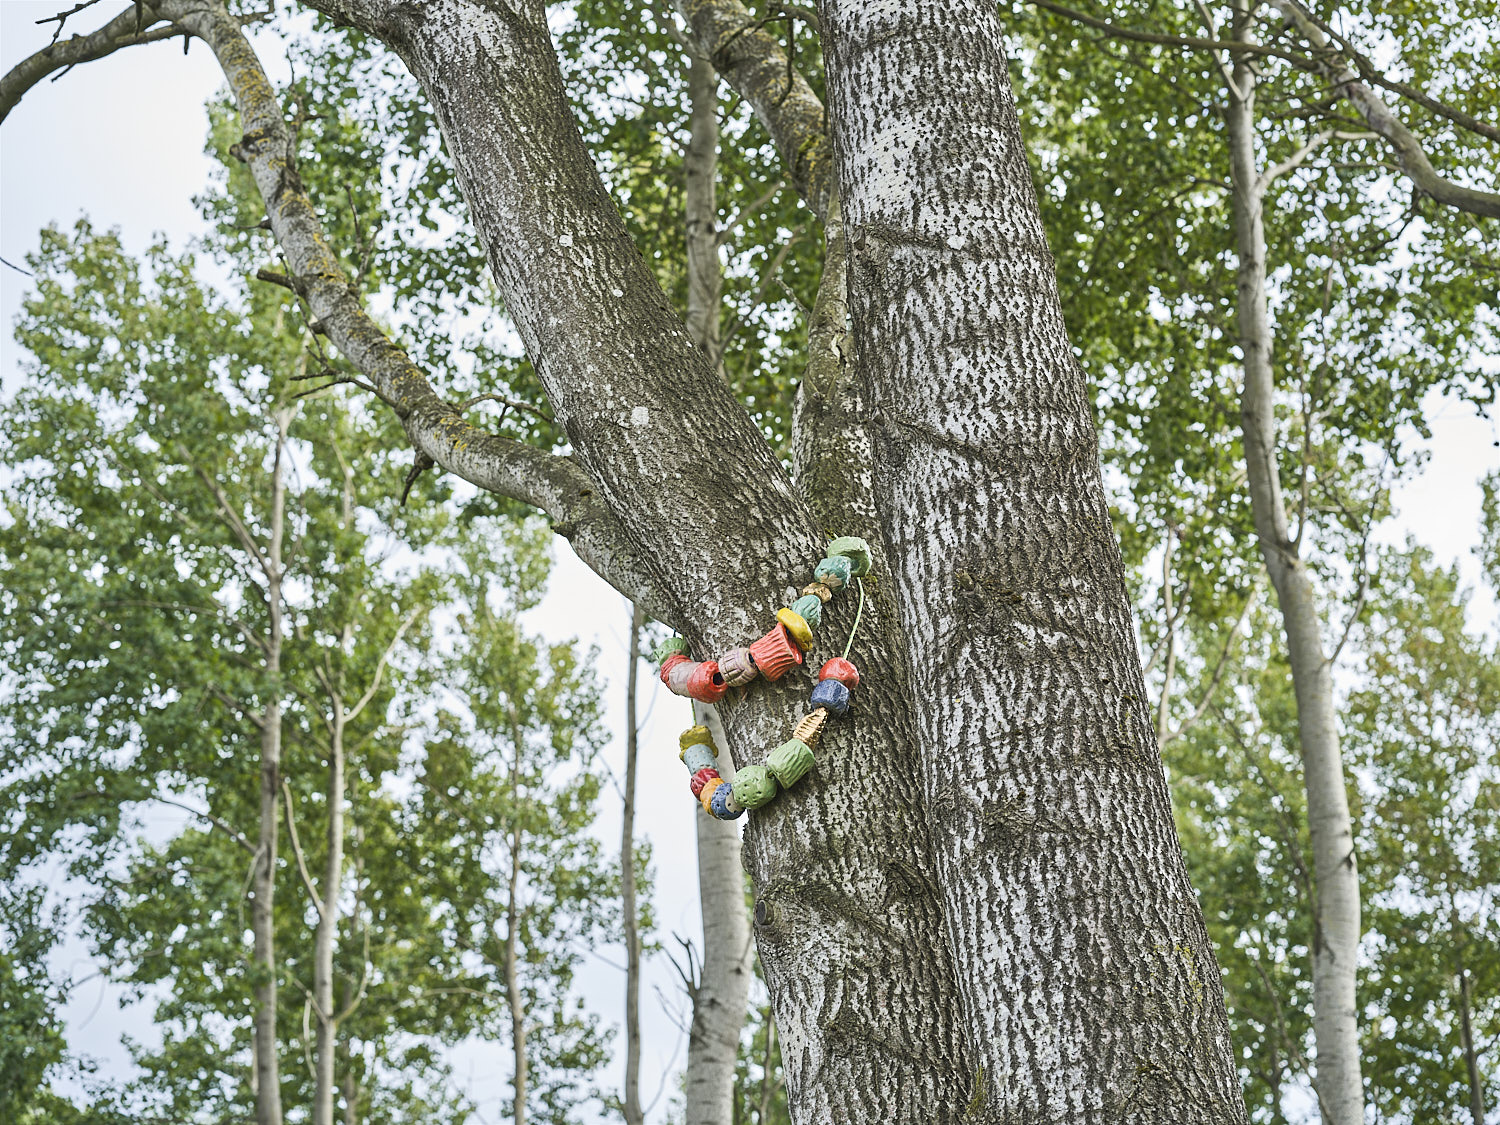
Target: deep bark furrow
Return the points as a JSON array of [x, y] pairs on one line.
[[1089, 988]]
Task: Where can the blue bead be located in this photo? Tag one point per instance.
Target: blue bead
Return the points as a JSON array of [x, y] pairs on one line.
[[720, 809], [832, 695]]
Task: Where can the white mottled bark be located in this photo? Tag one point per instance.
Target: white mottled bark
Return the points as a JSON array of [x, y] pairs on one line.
[[1089, 988], [328, 920], [1336, 923]]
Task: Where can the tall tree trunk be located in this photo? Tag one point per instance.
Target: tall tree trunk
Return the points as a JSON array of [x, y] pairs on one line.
[[328, 919], [513, 997], [267, 1077], [1466, 1036], [633, 1115], [723, 989], [1087, 981], [1336, 923]]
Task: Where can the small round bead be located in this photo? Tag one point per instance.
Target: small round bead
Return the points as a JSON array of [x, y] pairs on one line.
[[775, 653], [855, 549], [672, 646], [702, 778], [797, 627], [819, 591], [841, 670], [706, 798], [698, 736], [698, 756], [810, 609], [674, 661], [719, 806], [835, 572], [754, 786], [790, 761], [809, 728], [832, 695], [737, 667]]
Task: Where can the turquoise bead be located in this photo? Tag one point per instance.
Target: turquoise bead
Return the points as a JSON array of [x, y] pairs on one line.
[[810, 609], [699, 757], [856, 550], [835, 571]]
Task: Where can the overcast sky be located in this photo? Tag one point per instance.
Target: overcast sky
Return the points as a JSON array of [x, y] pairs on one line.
[[121, 141]]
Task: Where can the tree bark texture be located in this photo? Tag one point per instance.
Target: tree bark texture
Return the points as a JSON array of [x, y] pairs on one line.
[[328, 921], [633, 1114], [1087, 980], [1336, 910]]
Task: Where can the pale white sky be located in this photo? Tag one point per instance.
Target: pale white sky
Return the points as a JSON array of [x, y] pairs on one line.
[[121, 140]]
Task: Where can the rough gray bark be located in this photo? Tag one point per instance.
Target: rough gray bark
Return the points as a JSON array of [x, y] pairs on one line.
[[266, 1076], [633, 1114], [1336, 920], [1088, 984]]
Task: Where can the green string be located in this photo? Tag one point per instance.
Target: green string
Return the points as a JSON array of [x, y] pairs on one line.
[[857, 615]]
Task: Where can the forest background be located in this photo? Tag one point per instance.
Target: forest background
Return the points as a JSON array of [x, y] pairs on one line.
[[139, 171]]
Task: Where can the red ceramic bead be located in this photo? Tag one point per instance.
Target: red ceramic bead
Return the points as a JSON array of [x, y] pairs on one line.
[[702, 778], [700, 681], [775, 653], [841, 670], [668, 664]]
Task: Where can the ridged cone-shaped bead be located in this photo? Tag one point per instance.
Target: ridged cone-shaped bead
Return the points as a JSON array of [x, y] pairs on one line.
[[809, 728], [775, 653]]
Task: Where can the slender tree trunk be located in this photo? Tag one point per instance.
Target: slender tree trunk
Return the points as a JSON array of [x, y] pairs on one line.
[[328, 920], [633, 1115], [267, 1077], [1336, 920], [514, 999], [724, 986], [1087, 981], [1466, 1035]]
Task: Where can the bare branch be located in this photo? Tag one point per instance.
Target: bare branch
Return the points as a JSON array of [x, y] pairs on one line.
[[380, 666], [291, 829], [202, 814]]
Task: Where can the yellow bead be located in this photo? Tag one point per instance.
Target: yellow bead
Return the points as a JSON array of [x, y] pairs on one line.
[[797, 626], [694, 736]]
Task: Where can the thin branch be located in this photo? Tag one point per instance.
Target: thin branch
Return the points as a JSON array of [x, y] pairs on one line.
[[380, 666], [217, 822], [1206, 700], [291, 826], [1292, 162]]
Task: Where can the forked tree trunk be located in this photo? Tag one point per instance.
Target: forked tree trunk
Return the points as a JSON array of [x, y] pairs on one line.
[[1336, 921], [1087, 981]]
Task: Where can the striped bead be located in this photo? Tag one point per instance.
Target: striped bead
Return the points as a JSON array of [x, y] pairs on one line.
[[775, 653], [790, 762], [810, 609], [841, 670], [832, 695], [797, 626], [834, 572], [737, 667], [855, 549], [754, 786], [809, 728], [702, 778], [698, 756]]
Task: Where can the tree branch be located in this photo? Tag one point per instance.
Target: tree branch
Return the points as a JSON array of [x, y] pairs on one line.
[[291, 830]]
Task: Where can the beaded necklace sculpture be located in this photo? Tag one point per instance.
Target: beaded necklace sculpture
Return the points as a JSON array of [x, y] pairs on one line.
[[770, 657]]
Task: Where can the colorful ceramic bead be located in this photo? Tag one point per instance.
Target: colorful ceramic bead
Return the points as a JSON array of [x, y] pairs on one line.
[[698, 680], [706, 798], [831, 694], [737, 667], [790, 761], [819, 591], [835, 572], [697, 757], [797, 626], [775, 653], [841, 670], [810, 609], [809, 728], [699, 736], [719, 806], [754, 786], [731, 804], [855, 549], [674, 661], [672, 646], [702, 778]]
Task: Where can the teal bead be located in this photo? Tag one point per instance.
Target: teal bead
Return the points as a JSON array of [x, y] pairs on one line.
[[790, 761], [754, 786], [669, 647], [835, 571], [699, 757], [810, 609], [855, 549]]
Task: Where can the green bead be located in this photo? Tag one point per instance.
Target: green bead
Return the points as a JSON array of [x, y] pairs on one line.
[[790, 762], [754, 786], [835, 571], [669, 647], [810, 609], [856, 550]]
